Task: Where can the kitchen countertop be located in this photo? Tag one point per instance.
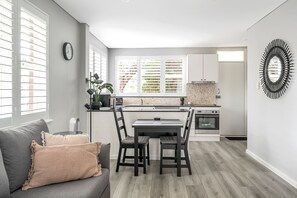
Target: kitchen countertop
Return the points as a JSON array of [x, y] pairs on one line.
[[144, 110], [157, 108], [202, 105]]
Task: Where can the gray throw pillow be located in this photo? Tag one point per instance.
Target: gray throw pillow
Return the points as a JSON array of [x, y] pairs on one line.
[[15, 146]]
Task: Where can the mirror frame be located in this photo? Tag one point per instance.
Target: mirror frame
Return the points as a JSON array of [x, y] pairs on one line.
[[281, 50]]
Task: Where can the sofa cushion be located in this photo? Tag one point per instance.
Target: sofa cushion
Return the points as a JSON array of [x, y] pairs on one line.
[[4, 185], [104, 157], [55, 164], [87, 188], [51, 140], [15, 146]]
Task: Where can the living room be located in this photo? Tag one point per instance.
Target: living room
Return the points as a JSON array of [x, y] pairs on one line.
[[49, 47]]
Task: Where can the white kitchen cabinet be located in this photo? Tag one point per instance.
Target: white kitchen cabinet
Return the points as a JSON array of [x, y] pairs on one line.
[[211, 67], [203, 67], [195, 67]]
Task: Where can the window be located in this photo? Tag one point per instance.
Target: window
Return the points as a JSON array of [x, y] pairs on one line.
[[174, 76], [98, 63], [23, 62], [127, 76], [150, 75], [231, 56]]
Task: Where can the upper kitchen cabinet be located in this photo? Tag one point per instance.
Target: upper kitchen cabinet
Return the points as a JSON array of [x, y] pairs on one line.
[[203, 68]]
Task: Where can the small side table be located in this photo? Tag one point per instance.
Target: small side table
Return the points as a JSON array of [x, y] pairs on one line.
[[69, 133]]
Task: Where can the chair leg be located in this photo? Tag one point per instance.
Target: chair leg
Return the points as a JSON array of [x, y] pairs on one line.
[[161, 159], [144, 162], [141, 155], [124, 157], [188, 160], [148, 154], [119, 159]]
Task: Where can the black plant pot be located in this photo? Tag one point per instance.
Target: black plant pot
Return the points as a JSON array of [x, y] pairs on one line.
[[96, 105]]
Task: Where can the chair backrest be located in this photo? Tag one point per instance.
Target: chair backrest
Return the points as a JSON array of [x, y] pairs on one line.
[[120, 123], [188, 125]]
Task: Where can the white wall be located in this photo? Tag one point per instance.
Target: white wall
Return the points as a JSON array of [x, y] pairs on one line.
[[272, 124], [83, 86]]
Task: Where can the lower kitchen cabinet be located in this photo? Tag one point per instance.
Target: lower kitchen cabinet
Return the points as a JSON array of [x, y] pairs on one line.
[[104, 129]]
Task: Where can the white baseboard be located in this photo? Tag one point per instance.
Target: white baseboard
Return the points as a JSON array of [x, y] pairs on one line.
[[272, 168]]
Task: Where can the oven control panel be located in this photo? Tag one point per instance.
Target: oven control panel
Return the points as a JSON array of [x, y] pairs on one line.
[[207, 112]]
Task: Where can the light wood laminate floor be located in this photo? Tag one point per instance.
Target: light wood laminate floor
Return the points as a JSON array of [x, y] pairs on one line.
[[220, 169]]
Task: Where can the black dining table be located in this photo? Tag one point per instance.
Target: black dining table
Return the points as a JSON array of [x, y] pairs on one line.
[[155, 128]]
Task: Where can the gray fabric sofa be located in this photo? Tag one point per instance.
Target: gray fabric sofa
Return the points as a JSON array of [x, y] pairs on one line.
[[15, 161]]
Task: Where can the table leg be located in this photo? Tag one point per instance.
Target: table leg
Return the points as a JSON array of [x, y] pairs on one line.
[[178, 154], [135, 152]]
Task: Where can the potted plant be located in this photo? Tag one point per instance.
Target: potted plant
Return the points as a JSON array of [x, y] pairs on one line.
[[97, 86]]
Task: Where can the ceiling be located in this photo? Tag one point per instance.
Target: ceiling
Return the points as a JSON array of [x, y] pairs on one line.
[[169, 23]]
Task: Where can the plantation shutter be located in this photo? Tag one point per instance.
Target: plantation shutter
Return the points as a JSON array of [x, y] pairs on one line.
[[174, 76], [103, 68], [150, 76], [33, 57], [97, 63], [127, 76], [91, 60], [6, 58]]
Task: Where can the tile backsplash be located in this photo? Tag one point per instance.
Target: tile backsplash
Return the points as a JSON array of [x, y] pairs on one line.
[[197, 94], [201, 93], [152, 101]]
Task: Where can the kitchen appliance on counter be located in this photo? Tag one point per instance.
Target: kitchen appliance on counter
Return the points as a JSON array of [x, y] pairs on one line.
[[207, 121], [119, 101]]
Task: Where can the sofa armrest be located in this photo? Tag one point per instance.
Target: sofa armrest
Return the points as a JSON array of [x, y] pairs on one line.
[[4, 184], [104, 156]]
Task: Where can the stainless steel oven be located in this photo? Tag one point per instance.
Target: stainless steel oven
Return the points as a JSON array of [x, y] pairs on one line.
[[207, 122]]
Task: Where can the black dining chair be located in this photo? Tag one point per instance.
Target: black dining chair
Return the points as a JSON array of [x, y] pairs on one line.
[[170, 142], [127, 142]]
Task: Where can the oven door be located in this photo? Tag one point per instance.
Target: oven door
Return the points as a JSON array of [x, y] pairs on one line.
[[207, 123]]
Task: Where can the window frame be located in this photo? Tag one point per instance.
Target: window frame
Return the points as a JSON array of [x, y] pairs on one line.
[[162, 75]]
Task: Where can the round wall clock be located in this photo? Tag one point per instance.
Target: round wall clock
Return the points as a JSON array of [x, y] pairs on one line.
[[67, 51]]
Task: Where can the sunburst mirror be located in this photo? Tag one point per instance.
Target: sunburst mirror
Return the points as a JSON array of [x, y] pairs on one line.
[[276, 68]]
